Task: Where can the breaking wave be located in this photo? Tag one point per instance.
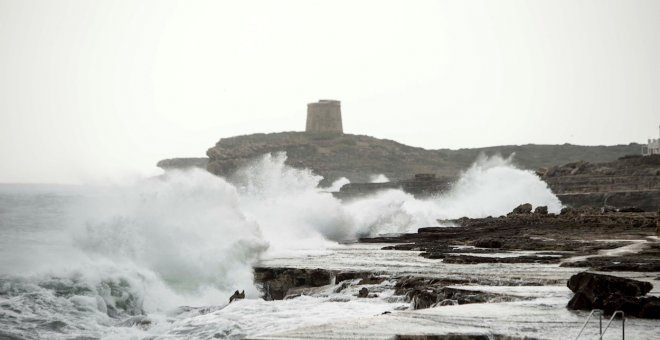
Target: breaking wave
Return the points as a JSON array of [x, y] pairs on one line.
[[191, 238]]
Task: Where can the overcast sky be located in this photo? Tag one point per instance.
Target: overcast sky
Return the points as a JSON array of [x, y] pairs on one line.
[[94, 89]]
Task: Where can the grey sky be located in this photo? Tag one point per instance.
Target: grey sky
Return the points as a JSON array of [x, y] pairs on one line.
[[93, 89]]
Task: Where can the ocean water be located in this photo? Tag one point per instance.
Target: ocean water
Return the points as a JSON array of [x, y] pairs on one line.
[[159, 257]]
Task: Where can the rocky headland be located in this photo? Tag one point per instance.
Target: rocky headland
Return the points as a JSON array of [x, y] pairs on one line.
[[594, 176], [357, 157]]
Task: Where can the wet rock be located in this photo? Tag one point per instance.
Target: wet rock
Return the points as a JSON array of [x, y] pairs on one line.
[[342, 286], [448, 302], [343, 276], [651, 309], [237, 296], [611, 293], [567, 211], [406, 284], [577, 231], [320, 277], [627, 263], [422, 299], [363, 293], [276, 282], [488, 243], [594, 285], [628, 304], [464, 296], [523, 209], [469, 259], [372, 280], [542, 210], [436, 295]]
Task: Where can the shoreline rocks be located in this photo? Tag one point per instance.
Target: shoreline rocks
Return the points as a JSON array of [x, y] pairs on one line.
[[574, 232], [276, 282], [612, 293]]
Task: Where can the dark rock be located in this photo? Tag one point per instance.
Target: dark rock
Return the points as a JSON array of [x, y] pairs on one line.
[[435, 295], [276, 282], [237, 296], [523, 209], [542, 210], [372, 280], [469, 259], [342, 286], [566, 211], [320, 277], [343, 276], [632, 263], [488, 243], [611, 293], [651, 309], [448, 302], [615, 302], [601, 285], [364, 292], [423, 298]]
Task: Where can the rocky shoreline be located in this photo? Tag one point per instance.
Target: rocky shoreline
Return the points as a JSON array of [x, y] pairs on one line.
[[595, 240], [574, 232]]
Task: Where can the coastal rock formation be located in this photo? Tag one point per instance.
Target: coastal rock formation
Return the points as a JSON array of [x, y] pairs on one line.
[[357, 157], [420, 186], [630, 184], [522, 209], [611, 293], [432, 292], [237, 296], [632, 181], [276, 282], [579, 231], [363, 293]]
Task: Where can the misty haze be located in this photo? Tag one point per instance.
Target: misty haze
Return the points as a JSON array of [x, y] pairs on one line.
[[329, 169]]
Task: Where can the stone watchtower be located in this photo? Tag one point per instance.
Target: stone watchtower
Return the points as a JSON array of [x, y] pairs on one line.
[[324, 116]]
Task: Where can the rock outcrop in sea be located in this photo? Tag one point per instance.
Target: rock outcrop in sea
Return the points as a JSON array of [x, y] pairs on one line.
[[612, 293]]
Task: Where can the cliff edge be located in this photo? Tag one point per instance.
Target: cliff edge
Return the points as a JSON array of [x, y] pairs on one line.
[[357, 157]]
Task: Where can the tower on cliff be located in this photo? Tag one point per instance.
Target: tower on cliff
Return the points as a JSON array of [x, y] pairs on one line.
[[324, 116]]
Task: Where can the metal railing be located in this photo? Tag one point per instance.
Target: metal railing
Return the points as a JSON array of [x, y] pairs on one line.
[[601, 331]]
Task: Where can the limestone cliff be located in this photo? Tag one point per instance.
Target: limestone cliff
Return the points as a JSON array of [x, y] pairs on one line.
[[357, 157]]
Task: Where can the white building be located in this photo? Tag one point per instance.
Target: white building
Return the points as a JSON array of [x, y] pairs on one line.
[[652, 148]]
